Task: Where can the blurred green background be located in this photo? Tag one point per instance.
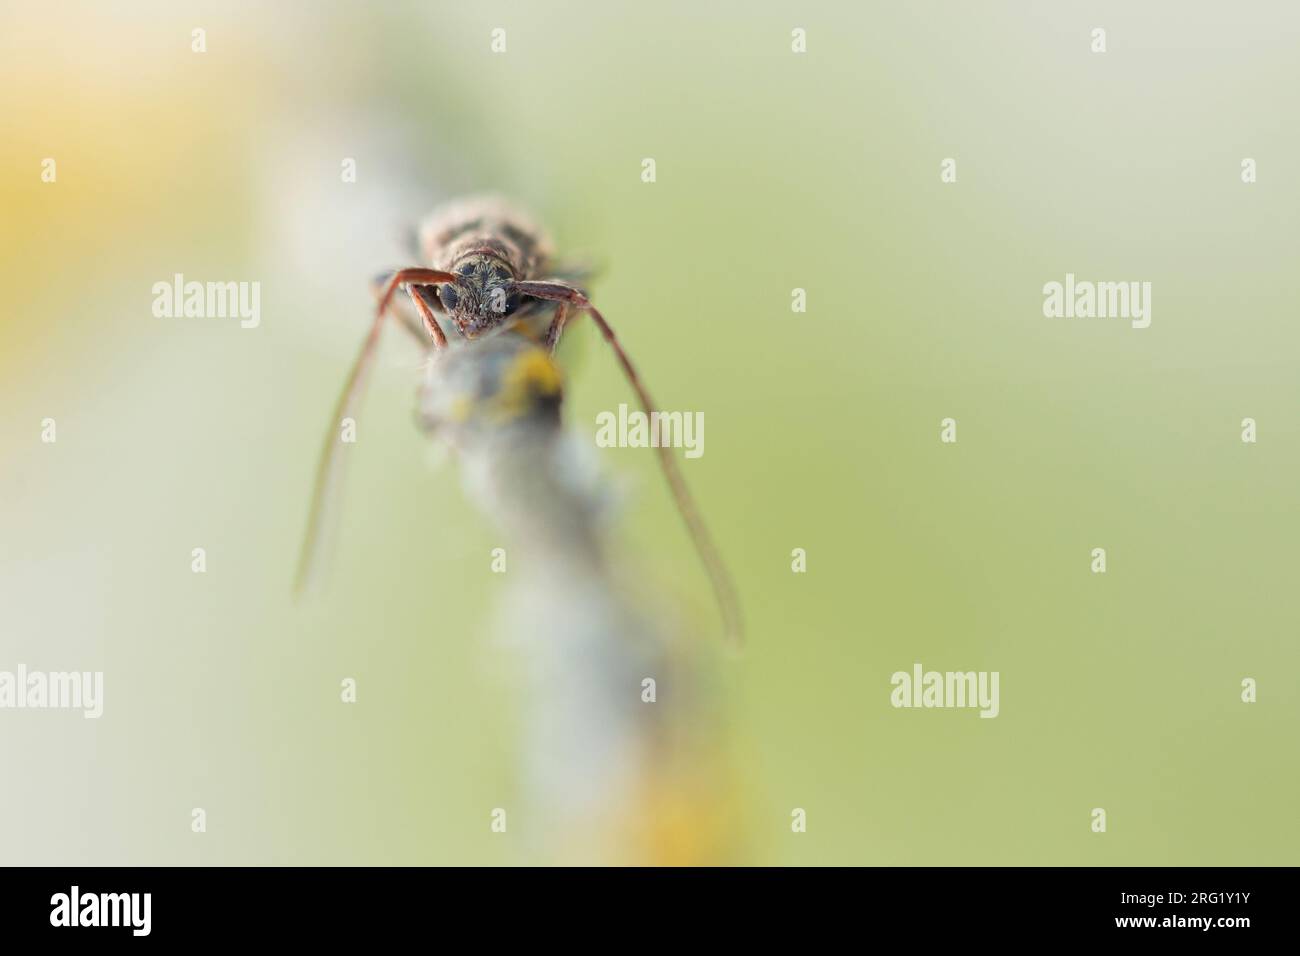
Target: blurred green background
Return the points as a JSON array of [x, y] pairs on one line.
[[774, 171]]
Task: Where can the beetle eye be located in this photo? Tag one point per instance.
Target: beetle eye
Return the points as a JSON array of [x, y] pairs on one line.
[[466, 270], [448, 296], [500, 275]]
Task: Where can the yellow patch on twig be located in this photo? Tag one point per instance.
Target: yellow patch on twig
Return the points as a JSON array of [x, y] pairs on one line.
[[529, 377]]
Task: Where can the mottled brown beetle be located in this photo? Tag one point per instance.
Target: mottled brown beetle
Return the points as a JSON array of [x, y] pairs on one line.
[[490, 269]]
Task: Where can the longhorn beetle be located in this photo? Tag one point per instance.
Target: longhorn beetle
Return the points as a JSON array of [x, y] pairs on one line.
[[491, 268]]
